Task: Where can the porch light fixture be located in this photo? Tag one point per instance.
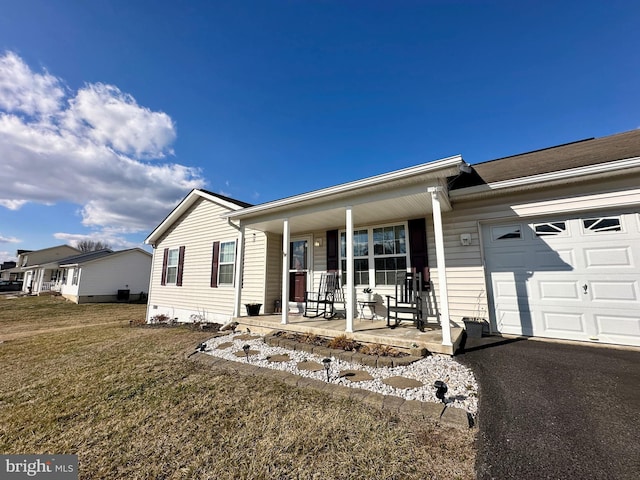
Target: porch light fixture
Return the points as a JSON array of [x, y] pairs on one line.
[[327, 366], [246, 351], [317, 242]]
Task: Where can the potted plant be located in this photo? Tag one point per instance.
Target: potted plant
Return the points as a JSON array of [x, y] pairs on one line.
[[253, 309], [474, 326], [368, 294]]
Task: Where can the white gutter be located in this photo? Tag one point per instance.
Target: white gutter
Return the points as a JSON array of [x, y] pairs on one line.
[[350, 187]]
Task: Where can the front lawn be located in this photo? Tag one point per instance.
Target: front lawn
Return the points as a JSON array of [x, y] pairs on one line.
[[78, 379]]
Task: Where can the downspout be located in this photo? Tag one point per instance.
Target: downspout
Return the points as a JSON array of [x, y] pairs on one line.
[[239, 268], [153, 261]]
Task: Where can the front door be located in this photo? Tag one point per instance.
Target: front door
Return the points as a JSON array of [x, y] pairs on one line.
[[298, 269]]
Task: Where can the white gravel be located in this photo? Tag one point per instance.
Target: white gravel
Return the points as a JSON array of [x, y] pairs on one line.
[[462, 393]]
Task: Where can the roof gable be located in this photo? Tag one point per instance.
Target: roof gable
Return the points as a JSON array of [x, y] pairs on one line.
[[193, 196]]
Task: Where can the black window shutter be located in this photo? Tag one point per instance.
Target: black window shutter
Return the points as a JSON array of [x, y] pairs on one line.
[[418, 247], [163, 279], [214, 264], [332, 251], [180, 266]]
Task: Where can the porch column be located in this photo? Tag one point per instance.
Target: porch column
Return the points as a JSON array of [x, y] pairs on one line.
[[350, 273], [440, 263], [285, 271], [238, 275]]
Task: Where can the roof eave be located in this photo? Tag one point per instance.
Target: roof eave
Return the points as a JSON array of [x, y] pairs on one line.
[[545, 179], [350, 187]]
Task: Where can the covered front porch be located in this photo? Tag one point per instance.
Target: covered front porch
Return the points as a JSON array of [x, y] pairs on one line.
[[405, 336], [337, 226]]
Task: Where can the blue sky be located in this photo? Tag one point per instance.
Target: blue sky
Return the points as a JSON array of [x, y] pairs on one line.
[[110, 112]]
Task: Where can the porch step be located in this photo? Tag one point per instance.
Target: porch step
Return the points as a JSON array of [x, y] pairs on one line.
[[405, 336]]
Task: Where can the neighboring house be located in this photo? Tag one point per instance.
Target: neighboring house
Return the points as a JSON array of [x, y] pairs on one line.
[[6, 271], [545, 243], [38, 269], [105, 276]]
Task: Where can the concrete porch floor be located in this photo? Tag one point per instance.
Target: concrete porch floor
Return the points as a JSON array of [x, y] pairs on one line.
[[367, 331]]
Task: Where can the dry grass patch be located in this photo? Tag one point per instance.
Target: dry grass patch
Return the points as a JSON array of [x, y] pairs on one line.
[[128, 403]]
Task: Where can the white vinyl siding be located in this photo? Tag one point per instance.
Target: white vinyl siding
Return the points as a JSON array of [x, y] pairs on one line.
[[197, 230]]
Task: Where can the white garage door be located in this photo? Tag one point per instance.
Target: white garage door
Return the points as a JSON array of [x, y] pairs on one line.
[[571, 278]]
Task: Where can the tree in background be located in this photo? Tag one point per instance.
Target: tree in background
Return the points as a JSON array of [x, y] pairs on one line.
[[91, 245]]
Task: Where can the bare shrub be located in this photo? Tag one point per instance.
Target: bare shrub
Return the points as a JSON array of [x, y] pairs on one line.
[[342, 342]]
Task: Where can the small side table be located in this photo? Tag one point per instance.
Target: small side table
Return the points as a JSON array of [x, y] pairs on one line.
[[372, 308]]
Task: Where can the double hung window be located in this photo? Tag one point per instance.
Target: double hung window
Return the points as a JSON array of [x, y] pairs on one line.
[[388, 256], [226, 263], [172, 266]]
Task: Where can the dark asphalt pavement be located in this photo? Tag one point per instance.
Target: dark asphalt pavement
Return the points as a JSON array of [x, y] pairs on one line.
[[551, 410]]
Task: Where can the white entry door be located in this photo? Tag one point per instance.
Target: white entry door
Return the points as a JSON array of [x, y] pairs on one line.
[[574, 278]]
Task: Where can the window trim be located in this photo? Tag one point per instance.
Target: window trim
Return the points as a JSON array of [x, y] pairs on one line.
[[233, 263], [371, 257]]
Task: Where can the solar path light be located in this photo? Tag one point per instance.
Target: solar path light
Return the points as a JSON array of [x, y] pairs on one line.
[[327, 365]]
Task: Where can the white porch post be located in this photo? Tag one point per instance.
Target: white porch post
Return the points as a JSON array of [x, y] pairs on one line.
[[442, 272], [285, 272], [350, 273], [238, 275]]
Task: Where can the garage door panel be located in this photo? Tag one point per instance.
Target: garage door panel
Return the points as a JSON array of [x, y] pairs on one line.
[[505, 289], [509, 260], [614, 291], [618, 329], [605, 257], [547, 259], [509, 321], [572, 324], [559, 290]]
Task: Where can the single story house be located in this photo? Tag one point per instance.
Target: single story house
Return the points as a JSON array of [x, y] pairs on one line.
[[99, 276], [105, 276], [6, 271], [38, 269], [545, 244]]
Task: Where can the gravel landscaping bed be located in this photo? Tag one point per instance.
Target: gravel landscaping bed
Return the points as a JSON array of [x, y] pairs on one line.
[[462, 386]]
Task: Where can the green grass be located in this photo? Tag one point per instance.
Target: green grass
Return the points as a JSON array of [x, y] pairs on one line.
[[127, 402]]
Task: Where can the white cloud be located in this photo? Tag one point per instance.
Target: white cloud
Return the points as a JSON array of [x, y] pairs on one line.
[[93, 149], [4, 239], [23, 91], [7, 256], [110, 117]]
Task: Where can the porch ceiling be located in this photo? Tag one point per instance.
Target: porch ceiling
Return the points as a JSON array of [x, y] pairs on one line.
[[373, 208]]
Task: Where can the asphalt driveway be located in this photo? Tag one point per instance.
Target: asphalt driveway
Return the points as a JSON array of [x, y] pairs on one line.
[[550, 410]]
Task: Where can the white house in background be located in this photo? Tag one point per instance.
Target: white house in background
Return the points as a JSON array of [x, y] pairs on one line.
[[38, 269], [545, 244], [105, 276]]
